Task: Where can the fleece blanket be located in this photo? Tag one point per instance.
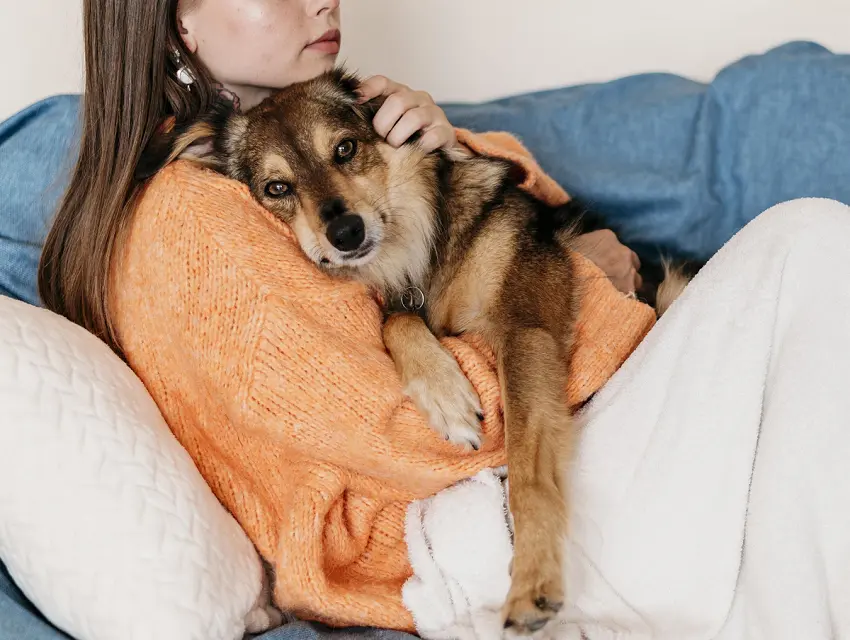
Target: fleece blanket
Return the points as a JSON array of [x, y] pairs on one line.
[[710, 496]]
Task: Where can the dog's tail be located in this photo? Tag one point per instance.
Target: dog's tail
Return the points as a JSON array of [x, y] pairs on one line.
[[677, 276]]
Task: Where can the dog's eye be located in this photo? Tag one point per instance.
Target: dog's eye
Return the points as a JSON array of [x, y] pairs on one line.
[[278, 189], [345, 150]]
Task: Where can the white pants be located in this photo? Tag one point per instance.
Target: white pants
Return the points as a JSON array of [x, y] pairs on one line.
[[711, 494]]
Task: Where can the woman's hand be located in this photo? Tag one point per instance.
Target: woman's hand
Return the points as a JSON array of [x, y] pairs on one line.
[[619, 263], [405, 112]]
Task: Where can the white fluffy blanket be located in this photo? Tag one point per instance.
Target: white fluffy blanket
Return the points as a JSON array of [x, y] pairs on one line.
[[711, 494]]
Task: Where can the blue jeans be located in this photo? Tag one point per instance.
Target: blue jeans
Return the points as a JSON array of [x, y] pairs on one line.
[[676, 167]]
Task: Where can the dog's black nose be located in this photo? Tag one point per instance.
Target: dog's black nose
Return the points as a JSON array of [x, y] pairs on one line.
[[347, 232], [332, 209]]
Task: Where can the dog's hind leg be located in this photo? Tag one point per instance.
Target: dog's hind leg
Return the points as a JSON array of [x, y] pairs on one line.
[[540, 441]]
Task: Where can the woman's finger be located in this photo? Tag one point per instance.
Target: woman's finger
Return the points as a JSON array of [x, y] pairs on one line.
[[428, 119], [376, 86], [411, 122], [438, 137], [394, 107]]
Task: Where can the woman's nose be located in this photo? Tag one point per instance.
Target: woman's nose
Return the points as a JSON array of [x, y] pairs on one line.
[[318, 7]]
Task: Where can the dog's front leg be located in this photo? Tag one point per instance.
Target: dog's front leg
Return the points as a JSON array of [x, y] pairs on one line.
[[433, 380], [539, 438]]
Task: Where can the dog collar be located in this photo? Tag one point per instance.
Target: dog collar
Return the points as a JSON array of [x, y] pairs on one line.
[[412, 299]]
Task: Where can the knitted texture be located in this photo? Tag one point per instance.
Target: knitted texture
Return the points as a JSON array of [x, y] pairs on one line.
[[275, 379]]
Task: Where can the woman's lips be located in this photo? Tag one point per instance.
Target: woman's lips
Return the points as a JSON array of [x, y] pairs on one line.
[[328, 43]]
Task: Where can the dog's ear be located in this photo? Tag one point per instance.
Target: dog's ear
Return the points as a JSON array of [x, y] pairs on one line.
[[369, 109], [348, 83], [196, 141]]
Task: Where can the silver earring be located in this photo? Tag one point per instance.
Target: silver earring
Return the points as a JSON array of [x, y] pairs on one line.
[[183, 73]]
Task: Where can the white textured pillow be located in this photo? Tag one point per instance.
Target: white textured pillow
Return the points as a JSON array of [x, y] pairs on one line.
[[105, 522]]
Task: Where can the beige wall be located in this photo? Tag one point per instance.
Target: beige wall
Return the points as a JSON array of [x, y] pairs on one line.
[[40, 50], [474, 49]]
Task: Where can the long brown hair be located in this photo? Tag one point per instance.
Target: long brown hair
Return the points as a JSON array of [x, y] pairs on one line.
[[130, 89]]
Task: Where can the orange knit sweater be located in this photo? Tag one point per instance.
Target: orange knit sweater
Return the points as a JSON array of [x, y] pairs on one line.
[[275, 379]]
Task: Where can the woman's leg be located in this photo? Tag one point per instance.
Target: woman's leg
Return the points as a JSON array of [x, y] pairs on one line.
[[711, 495]]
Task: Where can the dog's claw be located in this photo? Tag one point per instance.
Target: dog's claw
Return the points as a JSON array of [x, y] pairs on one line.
[[464, 436], [531, 604], [537, 625], [544, 604], [451, 404]]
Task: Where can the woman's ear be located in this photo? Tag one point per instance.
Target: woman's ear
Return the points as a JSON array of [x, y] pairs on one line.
[[186, 25]]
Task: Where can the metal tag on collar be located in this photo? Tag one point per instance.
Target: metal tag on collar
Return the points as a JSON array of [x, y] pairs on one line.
[[412, 299]]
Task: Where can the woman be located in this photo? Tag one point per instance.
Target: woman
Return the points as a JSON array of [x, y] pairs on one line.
[[227, 47], [301, 373], [119, 250]]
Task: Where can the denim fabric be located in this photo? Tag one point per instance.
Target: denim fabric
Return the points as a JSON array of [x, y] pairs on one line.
[[37, 149], [19, 620], [676, 166]]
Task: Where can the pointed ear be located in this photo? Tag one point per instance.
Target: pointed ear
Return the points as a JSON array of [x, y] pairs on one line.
[[230, 148], [195, 141], [346, 80], [368, 110], [348, 83]]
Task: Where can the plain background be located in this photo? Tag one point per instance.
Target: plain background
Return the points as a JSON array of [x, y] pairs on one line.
[[476, 49]]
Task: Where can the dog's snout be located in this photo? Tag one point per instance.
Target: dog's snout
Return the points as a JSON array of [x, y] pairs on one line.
[[346, 232], [332, 209]]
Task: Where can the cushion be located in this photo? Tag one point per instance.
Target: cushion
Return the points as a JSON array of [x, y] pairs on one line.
[[37, 148], [677, 167], [105, 523]]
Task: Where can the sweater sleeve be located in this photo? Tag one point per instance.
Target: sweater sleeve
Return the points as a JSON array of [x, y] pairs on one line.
[[500, 144]]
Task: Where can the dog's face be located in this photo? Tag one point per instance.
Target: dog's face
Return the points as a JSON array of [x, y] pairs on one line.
[[311, 156]]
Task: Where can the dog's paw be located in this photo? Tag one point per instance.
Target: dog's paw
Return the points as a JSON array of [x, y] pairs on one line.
[[534, 599], [447, 398]]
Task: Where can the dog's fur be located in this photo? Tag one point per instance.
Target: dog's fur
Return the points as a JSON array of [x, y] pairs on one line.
[[455, 233]]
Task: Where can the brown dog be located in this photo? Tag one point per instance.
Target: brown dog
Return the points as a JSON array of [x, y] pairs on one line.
[[453, 245]]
